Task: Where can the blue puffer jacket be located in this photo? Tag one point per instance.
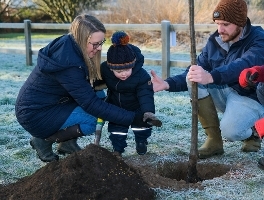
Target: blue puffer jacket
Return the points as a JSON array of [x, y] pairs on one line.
[[59, 83], [225, 67], [134, 93]]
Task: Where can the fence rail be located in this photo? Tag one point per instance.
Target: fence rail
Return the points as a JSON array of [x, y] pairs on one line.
[[165, 27]]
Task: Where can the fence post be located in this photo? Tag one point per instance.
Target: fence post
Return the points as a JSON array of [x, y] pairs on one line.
[[27, 32], [165, 37]]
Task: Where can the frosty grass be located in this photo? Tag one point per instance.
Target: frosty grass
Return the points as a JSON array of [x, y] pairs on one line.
[[170, 142]]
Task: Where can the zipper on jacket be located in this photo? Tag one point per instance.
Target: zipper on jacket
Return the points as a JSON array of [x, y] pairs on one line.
[[119, 95]]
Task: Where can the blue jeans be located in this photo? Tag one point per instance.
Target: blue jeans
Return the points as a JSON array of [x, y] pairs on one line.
[[86, 121], [239, 112]]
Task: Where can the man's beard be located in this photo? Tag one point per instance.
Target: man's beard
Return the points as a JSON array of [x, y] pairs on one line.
[[231, 37]]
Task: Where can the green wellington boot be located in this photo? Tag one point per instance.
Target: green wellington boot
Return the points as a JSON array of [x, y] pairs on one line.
[[209, 120], [253, 143]]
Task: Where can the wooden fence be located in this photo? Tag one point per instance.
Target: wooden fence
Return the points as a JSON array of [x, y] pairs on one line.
[[165, 27]]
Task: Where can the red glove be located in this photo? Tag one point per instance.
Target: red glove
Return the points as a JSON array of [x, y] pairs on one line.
[[250, 76], [259, 126]]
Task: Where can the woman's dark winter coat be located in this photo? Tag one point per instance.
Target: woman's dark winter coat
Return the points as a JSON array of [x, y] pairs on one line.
[[56, 86]]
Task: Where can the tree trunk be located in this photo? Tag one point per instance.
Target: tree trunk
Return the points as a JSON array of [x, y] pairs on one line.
[[192, 176]]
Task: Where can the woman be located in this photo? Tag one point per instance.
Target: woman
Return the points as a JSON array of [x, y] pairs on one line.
[[58, 103]]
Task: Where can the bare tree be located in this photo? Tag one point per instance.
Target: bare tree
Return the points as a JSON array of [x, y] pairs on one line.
[[64, 11], [8, 8], [192, 175]]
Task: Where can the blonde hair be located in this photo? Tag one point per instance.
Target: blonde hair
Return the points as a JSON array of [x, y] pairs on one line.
[[82, 28]]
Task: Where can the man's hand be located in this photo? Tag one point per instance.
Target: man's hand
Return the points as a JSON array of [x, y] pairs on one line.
[[250, 76], [199, 75], [158, 83]]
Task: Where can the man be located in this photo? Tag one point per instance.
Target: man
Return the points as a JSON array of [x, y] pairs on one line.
[[235, 45]]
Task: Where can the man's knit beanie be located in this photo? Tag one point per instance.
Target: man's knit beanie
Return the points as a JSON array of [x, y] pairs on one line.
[[233, 11], [120, 55]]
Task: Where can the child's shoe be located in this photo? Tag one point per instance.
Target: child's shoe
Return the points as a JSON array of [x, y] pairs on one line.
[[141, 147]]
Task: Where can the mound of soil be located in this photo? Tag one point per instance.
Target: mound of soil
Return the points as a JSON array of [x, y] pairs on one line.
[[92, 173]]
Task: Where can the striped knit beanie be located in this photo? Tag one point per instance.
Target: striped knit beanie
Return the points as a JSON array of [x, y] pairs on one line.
[[120, 55]]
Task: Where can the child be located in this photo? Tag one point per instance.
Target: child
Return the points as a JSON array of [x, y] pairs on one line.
[[129, 87], [252, 79]]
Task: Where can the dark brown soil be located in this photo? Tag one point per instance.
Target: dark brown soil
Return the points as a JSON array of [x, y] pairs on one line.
[[94, 173]]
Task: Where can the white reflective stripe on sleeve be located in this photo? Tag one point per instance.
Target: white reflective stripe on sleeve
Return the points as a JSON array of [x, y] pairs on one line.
[[139, 129], [118, 133]]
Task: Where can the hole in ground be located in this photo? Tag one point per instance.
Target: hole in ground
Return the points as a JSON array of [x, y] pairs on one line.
[[179, 170], [172, 173]]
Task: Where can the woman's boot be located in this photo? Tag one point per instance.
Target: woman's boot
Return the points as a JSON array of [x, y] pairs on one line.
[[68, 133], [209, 120], [44, 149], [68, 147]]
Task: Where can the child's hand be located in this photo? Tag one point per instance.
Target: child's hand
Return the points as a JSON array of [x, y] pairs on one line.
[[151, 119]]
